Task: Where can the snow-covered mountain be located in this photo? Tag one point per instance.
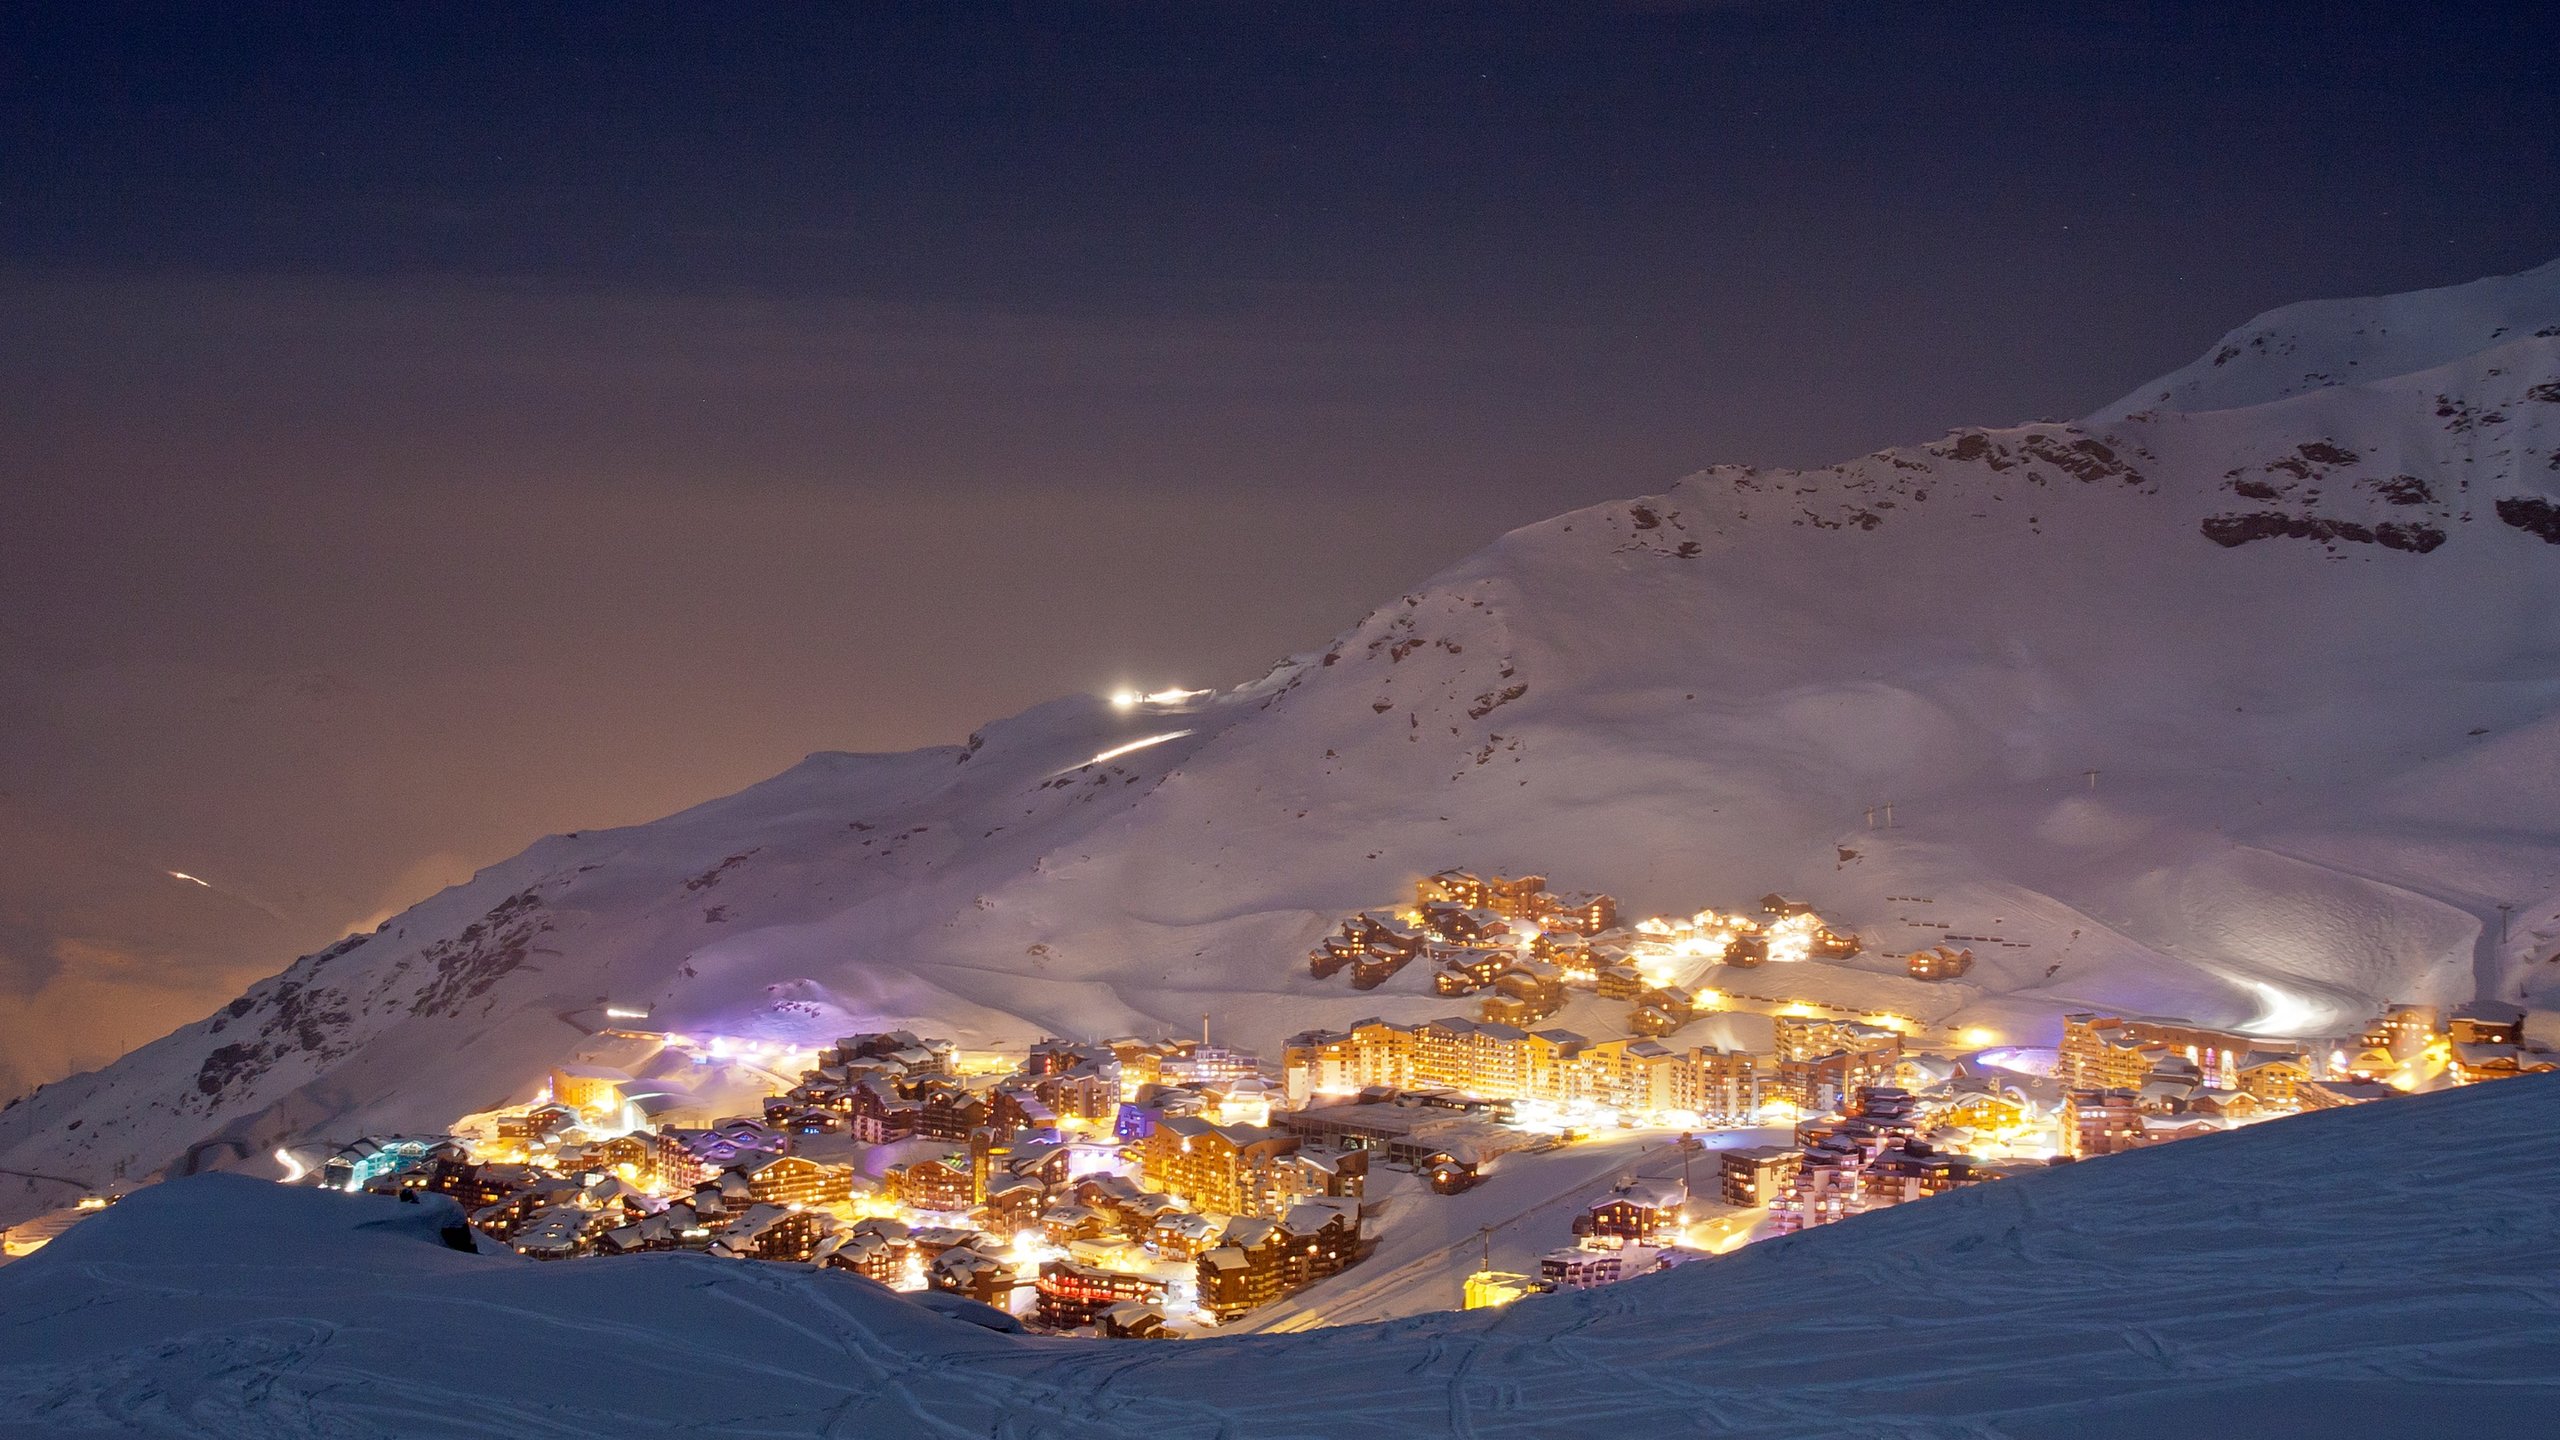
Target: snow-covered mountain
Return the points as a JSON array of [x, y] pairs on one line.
[[2239, 700], [2347, 1275]]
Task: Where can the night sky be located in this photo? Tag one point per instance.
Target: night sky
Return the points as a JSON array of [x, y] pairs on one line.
[[426, 427]]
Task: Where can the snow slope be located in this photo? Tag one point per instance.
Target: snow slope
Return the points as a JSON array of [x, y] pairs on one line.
[[2374, 1272], [2299, 616]]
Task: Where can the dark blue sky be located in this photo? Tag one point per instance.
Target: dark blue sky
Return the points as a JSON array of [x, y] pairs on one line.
[[426, 426]]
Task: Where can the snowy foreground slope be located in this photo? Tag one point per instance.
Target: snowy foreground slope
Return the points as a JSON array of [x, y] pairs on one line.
[[2297, 607], [2383, 1271]]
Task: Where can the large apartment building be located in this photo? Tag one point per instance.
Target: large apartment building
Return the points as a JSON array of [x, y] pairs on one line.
[[1503, 1062], [2110, 1052]]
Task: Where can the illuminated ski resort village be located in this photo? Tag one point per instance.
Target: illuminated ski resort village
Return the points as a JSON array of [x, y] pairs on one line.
[[1355, 720], [1157, 1188]]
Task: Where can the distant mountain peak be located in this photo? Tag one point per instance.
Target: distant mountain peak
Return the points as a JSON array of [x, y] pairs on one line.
[[2299, 348]]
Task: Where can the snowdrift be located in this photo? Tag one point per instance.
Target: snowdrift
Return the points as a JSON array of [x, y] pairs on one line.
[[2383, 1271]]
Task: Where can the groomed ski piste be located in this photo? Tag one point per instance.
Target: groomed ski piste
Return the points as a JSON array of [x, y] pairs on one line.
[[2385, 1270]]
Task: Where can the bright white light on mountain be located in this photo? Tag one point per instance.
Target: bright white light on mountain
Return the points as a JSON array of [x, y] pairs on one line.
[[293, 1169], [1130, 699], [2286, 1012], [615, 1012], [190, 879], [1116, 751]]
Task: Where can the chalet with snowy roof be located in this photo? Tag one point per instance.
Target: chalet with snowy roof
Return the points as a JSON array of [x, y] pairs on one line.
[[2473, 1063], [869, 1249], [545, 1121], [1071, 1294], [1939, 962], [1460, 926], [1468, 971], [949, 1111], [1013, 1203], [794, 1180], [896, 1050], [1063, 1225], [624, 1155], [1243, 1271], [1039, 1157], [1089, 1091], [1977, 1101], [942, 1183], [502, 1219], [1137, 1119], [1528, 992], [876, 1114], [1315, 1239], [1053, 1056], [2168, 1086], [1575, 958], [2161, 1129], [1373, 945], [2486, 1022], [678, 1226], [771, 1232], [1104, 1190], [680, 1157], [1011, 1108], [1914, 1170], [476, 1186], [2336, 1094], [1618, 980], [2225, 1105], [1181, 1235], [979, 1274], [2273, 1077], [1660, 1011], [2404, 1031], [554, 1234], [1640, 1210], [1465, 890], [1131, 1320], [1584, 912]]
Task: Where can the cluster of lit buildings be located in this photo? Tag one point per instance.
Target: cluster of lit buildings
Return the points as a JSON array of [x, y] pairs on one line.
[[1139, 1188], [1127, 1187], [1523, 947], [2180, 1078]]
